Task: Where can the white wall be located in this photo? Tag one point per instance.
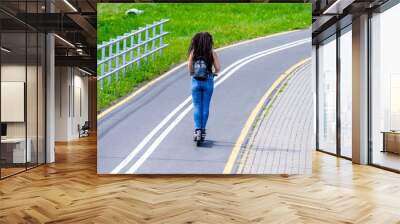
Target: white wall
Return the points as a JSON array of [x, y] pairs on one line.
[[62, 81], [70, 84], [33, 126], [12, 73], [82, 82]]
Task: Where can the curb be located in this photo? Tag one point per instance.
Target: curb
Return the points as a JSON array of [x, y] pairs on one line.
[[255, 113]]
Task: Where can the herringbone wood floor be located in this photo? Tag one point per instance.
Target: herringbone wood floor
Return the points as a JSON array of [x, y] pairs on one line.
[[70, 191]]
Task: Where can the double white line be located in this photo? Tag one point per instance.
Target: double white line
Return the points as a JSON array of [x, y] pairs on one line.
[[225, 74]]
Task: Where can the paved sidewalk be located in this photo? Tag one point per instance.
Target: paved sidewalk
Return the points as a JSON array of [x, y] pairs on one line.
[[281, 141]]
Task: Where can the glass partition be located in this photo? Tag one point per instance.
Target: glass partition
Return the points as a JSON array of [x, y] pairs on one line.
[[22, 101], [346, 92], [385, 89], [327, 95], [14, 153]]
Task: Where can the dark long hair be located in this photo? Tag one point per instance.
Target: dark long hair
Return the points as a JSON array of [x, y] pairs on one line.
[[201, 46]]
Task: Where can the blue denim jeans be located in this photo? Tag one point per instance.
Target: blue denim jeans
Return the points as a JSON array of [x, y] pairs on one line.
[[201, 95]]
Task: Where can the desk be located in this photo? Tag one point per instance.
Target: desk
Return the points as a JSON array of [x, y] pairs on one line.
[[391, 141], [18, 149]]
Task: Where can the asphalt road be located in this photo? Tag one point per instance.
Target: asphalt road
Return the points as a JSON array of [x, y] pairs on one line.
[[152, 133]]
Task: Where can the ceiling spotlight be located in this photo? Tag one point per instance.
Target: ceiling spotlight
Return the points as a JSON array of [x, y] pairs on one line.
[[5, 50], [79, 51]]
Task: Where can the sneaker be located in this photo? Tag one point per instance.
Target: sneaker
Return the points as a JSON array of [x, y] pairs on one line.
[[203, 134], [197, 135]]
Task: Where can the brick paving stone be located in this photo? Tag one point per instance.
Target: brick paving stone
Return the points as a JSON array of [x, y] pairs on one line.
[[281, 141]]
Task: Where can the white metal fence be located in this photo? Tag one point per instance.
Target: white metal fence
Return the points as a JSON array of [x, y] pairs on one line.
[[119, 53]]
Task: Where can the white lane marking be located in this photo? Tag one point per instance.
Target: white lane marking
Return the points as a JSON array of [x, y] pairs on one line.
[[157, 142], [143, 143], [164, 134], [131, 96], [134, 152]]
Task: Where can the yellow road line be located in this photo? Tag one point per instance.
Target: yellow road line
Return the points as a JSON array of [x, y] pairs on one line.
[[141, 89], [247, 149], [236, 149]]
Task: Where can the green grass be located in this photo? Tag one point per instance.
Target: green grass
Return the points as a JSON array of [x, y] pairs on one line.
[[227, 22]]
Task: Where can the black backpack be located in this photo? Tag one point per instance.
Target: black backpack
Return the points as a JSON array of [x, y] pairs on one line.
[[200, 69]]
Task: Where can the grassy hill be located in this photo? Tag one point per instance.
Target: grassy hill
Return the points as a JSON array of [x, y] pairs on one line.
[[227, 22]]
